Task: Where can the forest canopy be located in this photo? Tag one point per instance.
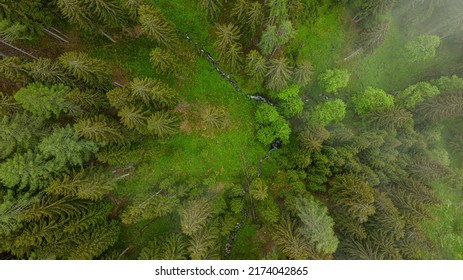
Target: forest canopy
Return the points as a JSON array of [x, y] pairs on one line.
[[239, 129]]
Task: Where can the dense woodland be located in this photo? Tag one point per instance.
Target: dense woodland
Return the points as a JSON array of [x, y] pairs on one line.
[[239, 129]]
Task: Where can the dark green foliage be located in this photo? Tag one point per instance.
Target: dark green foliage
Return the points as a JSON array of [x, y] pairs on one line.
[[391, 118], [319, 171], [313, 137], [290, 240], [426, 169], [352, 195], [13, 68], [47, 71], [31, 14], [8, 105], [441, 107]]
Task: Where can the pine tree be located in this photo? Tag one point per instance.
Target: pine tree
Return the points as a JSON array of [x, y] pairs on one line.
[[278, 75], [258, 189], [141, 89], [353, 195], [155, 26], [255, 14], [441, 107], [239, 11], [203, 244], [19, 133], [278, 11], [317, 225], [212, 117], [256, 65], [94, 72], [64, 148], [269, 40], [24, 172], [211, 7], [133, 118], [91, 186], [312, 138], [230, 50], [163, 124], [290, 240], [94, 242], [194, 215], [76, 12], [14, 69], [107, 11], [391, 118], [54, 208], [47, 71], [163, 96], [8, 105], [303, 73], [164, 61], [99, 129], [171, 247], [120, 97]]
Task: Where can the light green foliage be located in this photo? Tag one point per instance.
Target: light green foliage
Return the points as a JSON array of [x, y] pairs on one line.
[[63, 148], [163, 96], [10, 32], [13, 68], [416, 94], [140, 89], [107, 11], [327, 112], [45, 70], [44, 101], [334, 79], [194, 215], [268, 210], [75, 12], [228, 45], [133, 118], [164, 61], [163, 124], [258, 189], [170, 247], [290, 103], [91, 186], [91, 71], [278, 74], [212, 117], [446, 83], [19, 133], [24, 171], [371, 99], [317, 225], [119, 97], [155, 205], [155, 26], [256, 65], [422, 48], [303, 73], [271, 125], [31, 14], [203, 244], [99, 129], [53, 208]]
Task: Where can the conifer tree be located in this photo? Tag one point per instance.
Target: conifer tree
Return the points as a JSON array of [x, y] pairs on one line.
[[290, 240], [164, 61], [163, 96], [171, 247], [141, 89], [278, 74], [194, 215], [120, 97], [133, 118], [256, 65], [255, 14], [47, 71], [391, 118], [211, 7], [269, 40], [99, 129], [14, 69], [155, 26], [163, 124], [94, 72]]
